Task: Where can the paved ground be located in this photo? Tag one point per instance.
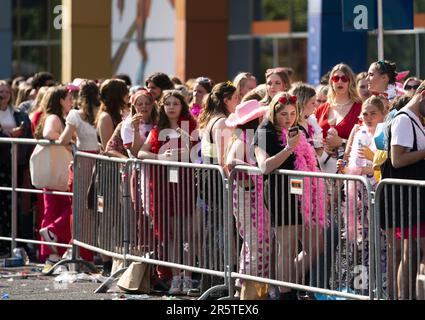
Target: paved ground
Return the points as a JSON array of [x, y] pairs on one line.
[[28, 283]]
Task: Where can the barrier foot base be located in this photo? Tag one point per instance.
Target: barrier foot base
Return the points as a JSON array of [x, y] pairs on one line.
[[108, 282], [89, 265]]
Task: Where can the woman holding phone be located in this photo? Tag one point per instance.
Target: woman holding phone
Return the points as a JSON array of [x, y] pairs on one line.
[[168, 142], [280, 145]]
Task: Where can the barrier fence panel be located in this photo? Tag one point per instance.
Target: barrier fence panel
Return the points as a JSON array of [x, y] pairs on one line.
[[20, 221], [400, 218], [178, 219], [101, 206], [305, 231]]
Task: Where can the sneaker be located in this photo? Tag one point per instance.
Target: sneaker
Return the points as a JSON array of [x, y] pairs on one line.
[[49, 236], [48, 265], [187, 285], [176, 286]]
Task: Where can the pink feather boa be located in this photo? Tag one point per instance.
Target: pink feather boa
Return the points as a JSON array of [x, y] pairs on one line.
[[305, 160], [196, 110]]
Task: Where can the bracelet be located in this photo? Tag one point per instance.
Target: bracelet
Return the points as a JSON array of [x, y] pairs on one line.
[[289, 149]]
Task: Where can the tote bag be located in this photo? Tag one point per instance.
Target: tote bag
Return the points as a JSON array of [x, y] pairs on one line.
[[136, 278], [49, 167]]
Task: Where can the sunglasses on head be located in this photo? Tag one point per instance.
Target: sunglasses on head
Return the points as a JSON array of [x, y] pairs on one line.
[[336, 79], [285, 100], [409, 87]]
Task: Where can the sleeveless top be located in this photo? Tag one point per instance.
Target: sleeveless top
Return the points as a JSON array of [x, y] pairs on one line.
[[208, 148]]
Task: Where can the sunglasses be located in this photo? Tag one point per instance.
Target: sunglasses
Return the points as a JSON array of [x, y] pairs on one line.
[[336, 79], [409, 87]]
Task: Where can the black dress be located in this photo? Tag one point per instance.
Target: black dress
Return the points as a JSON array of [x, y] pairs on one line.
[[282, 206]]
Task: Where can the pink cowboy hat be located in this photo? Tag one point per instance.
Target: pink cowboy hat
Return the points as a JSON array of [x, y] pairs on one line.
[[245, 112]]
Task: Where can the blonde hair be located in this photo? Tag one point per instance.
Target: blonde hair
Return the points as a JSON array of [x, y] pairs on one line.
[[304, 93], [241, 79], [352, 90], [375, 101], [275, 105], [421, 88]]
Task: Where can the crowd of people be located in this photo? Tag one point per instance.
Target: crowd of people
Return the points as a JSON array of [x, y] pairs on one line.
[[338, 127]]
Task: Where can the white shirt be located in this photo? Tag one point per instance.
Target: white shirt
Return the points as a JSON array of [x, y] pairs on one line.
[[86, 133], [402, 133], [7, 121], [127, 131]]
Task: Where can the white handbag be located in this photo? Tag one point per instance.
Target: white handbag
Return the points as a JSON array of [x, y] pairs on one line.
[[49, 167]]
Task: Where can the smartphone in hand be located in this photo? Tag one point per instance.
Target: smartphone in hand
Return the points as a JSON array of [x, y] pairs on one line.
[[133, 110], [292, 132]]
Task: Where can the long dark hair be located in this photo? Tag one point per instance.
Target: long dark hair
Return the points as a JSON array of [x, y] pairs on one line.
[[213, 103], [112, 93], [164, 122], [89, 100], [53, 106]]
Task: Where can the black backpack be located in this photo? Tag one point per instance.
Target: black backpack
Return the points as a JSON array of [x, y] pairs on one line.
[[414, 171]]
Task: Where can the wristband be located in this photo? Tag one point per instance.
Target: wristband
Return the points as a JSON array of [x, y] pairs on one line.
[[289, 149]]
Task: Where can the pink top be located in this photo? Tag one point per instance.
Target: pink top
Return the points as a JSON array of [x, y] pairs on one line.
[[345, 126]]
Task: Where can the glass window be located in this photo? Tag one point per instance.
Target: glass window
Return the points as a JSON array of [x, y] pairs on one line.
[[36, 42], [294, 10]]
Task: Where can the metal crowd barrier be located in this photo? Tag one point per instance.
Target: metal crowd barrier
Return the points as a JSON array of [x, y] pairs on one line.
[[189, 217], [14, 189], [170, 214], [399, 205], [341, 260], [101, 207], [179, 219]]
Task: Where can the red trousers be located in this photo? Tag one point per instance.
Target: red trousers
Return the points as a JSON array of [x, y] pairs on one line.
[[56, 217]]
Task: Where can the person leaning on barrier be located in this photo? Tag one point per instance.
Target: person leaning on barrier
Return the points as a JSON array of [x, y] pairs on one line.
[[167, 142], [251, 217], [277, 147], [406, 154], [57, 209]]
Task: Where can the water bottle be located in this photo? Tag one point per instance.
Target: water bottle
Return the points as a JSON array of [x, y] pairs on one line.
[[363, 141], [20, 253], [333, 131]]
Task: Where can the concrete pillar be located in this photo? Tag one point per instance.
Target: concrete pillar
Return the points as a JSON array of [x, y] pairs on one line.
[[6, 39], [201, 39], [86, 39]]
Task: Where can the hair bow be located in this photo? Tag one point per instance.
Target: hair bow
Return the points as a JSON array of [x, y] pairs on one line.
[[285, 100]]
